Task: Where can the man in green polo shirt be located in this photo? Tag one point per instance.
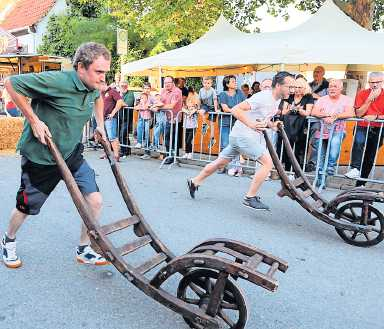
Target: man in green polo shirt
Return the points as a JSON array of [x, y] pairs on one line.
[[62, 102]]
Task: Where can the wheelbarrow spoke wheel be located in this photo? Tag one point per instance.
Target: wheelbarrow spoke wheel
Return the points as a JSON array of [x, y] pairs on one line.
[[362, 214], [196, 287]]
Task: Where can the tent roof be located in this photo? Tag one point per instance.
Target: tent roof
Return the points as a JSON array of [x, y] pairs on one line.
[[329, 37], [24, 13]]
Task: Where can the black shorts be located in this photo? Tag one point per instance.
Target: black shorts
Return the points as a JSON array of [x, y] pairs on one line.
[[38, 181]]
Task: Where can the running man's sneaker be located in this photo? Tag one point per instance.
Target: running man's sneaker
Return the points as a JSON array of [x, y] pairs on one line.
[[192, 188], [255, 203], [291, 177], [353, 173], [10, 258], [187, 156], [145, 156], [86, 255]]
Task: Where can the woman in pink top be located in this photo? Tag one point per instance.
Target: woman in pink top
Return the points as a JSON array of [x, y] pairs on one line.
[[331, 109], [144, 121]]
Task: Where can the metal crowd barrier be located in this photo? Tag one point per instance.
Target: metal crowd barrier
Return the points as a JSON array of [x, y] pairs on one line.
[[342, 169], [200, 156], [212, 130], [157, 131], [211, 134]]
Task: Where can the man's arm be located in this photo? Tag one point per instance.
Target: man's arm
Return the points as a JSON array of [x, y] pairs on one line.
[[360, 110], [99, 116], [346, 114], [174, 100], [39, 128], [239, 113], [169, 106], [317, 111], [119, 105]]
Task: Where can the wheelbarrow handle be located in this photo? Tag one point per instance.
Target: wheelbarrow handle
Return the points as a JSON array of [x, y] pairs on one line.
[[107, 147]]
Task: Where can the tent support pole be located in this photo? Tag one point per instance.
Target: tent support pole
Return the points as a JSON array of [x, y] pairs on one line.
[[160, 73]]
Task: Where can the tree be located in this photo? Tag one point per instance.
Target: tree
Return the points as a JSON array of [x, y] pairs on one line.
[[161, 25], [155, 26], [367, 13], [66, 32], [89, 9]]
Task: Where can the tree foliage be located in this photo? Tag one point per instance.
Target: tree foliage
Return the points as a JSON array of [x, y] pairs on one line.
[[66, 32], [368, 13], [90, 9], [158, 25]]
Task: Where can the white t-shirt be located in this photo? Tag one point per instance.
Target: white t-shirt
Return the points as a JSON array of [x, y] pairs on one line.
[[263, 107]]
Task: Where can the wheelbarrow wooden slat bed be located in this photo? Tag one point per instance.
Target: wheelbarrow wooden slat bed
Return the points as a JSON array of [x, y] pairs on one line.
[[207, 296]]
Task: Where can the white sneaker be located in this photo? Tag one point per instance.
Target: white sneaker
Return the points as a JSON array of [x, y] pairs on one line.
[[10, 258], [291, 177], [145, 157], [89, 256], [239, 172], [138, 145], [353, 173], [232, 171], [187, 156]]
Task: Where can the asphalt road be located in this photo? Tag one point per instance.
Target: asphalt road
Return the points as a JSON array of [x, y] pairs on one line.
[[329, 284]]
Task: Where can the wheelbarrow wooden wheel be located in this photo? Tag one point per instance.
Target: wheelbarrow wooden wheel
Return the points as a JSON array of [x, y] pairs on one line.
[[363, 214], [196, 287]]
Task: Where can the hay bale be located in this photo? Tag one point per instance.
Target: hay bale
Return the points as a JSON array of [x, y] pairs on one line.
[[10, 131]]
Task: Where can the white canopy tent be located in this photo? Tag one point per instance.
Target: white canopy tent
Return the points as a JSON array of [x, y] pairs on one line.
[[329, 38]]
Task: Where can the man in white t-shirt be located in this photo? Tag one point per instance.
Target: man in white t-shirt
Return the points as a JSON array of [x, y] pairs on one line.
[[254, 115]]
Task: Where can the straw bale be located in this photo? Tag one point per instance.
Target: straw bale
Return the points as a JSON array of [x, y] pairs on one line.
[[10, 131]]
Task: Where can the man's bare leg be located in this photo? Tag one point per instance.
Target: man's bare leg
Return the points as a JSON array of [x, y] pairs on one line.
[[86, 254], [209, 169], [95, 202], [17, 219], [260, 175], [9, 252]]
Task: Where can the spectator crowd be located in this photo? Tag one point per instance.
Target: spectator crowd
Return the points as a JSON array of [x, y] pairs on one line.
[[167, 121]]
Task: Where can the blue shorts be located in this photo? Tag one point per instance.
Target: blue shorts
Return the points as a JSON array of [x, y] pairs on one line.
[[37, 183], [111, 129]]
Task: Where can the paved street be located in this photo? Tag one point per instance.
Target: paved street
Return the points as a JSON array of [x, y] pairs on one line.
[[329, 284]]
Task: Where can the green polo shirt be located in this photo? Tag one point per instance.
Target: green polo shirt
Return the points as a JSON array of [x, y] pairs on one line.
[[129, 98], [63, 103]]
